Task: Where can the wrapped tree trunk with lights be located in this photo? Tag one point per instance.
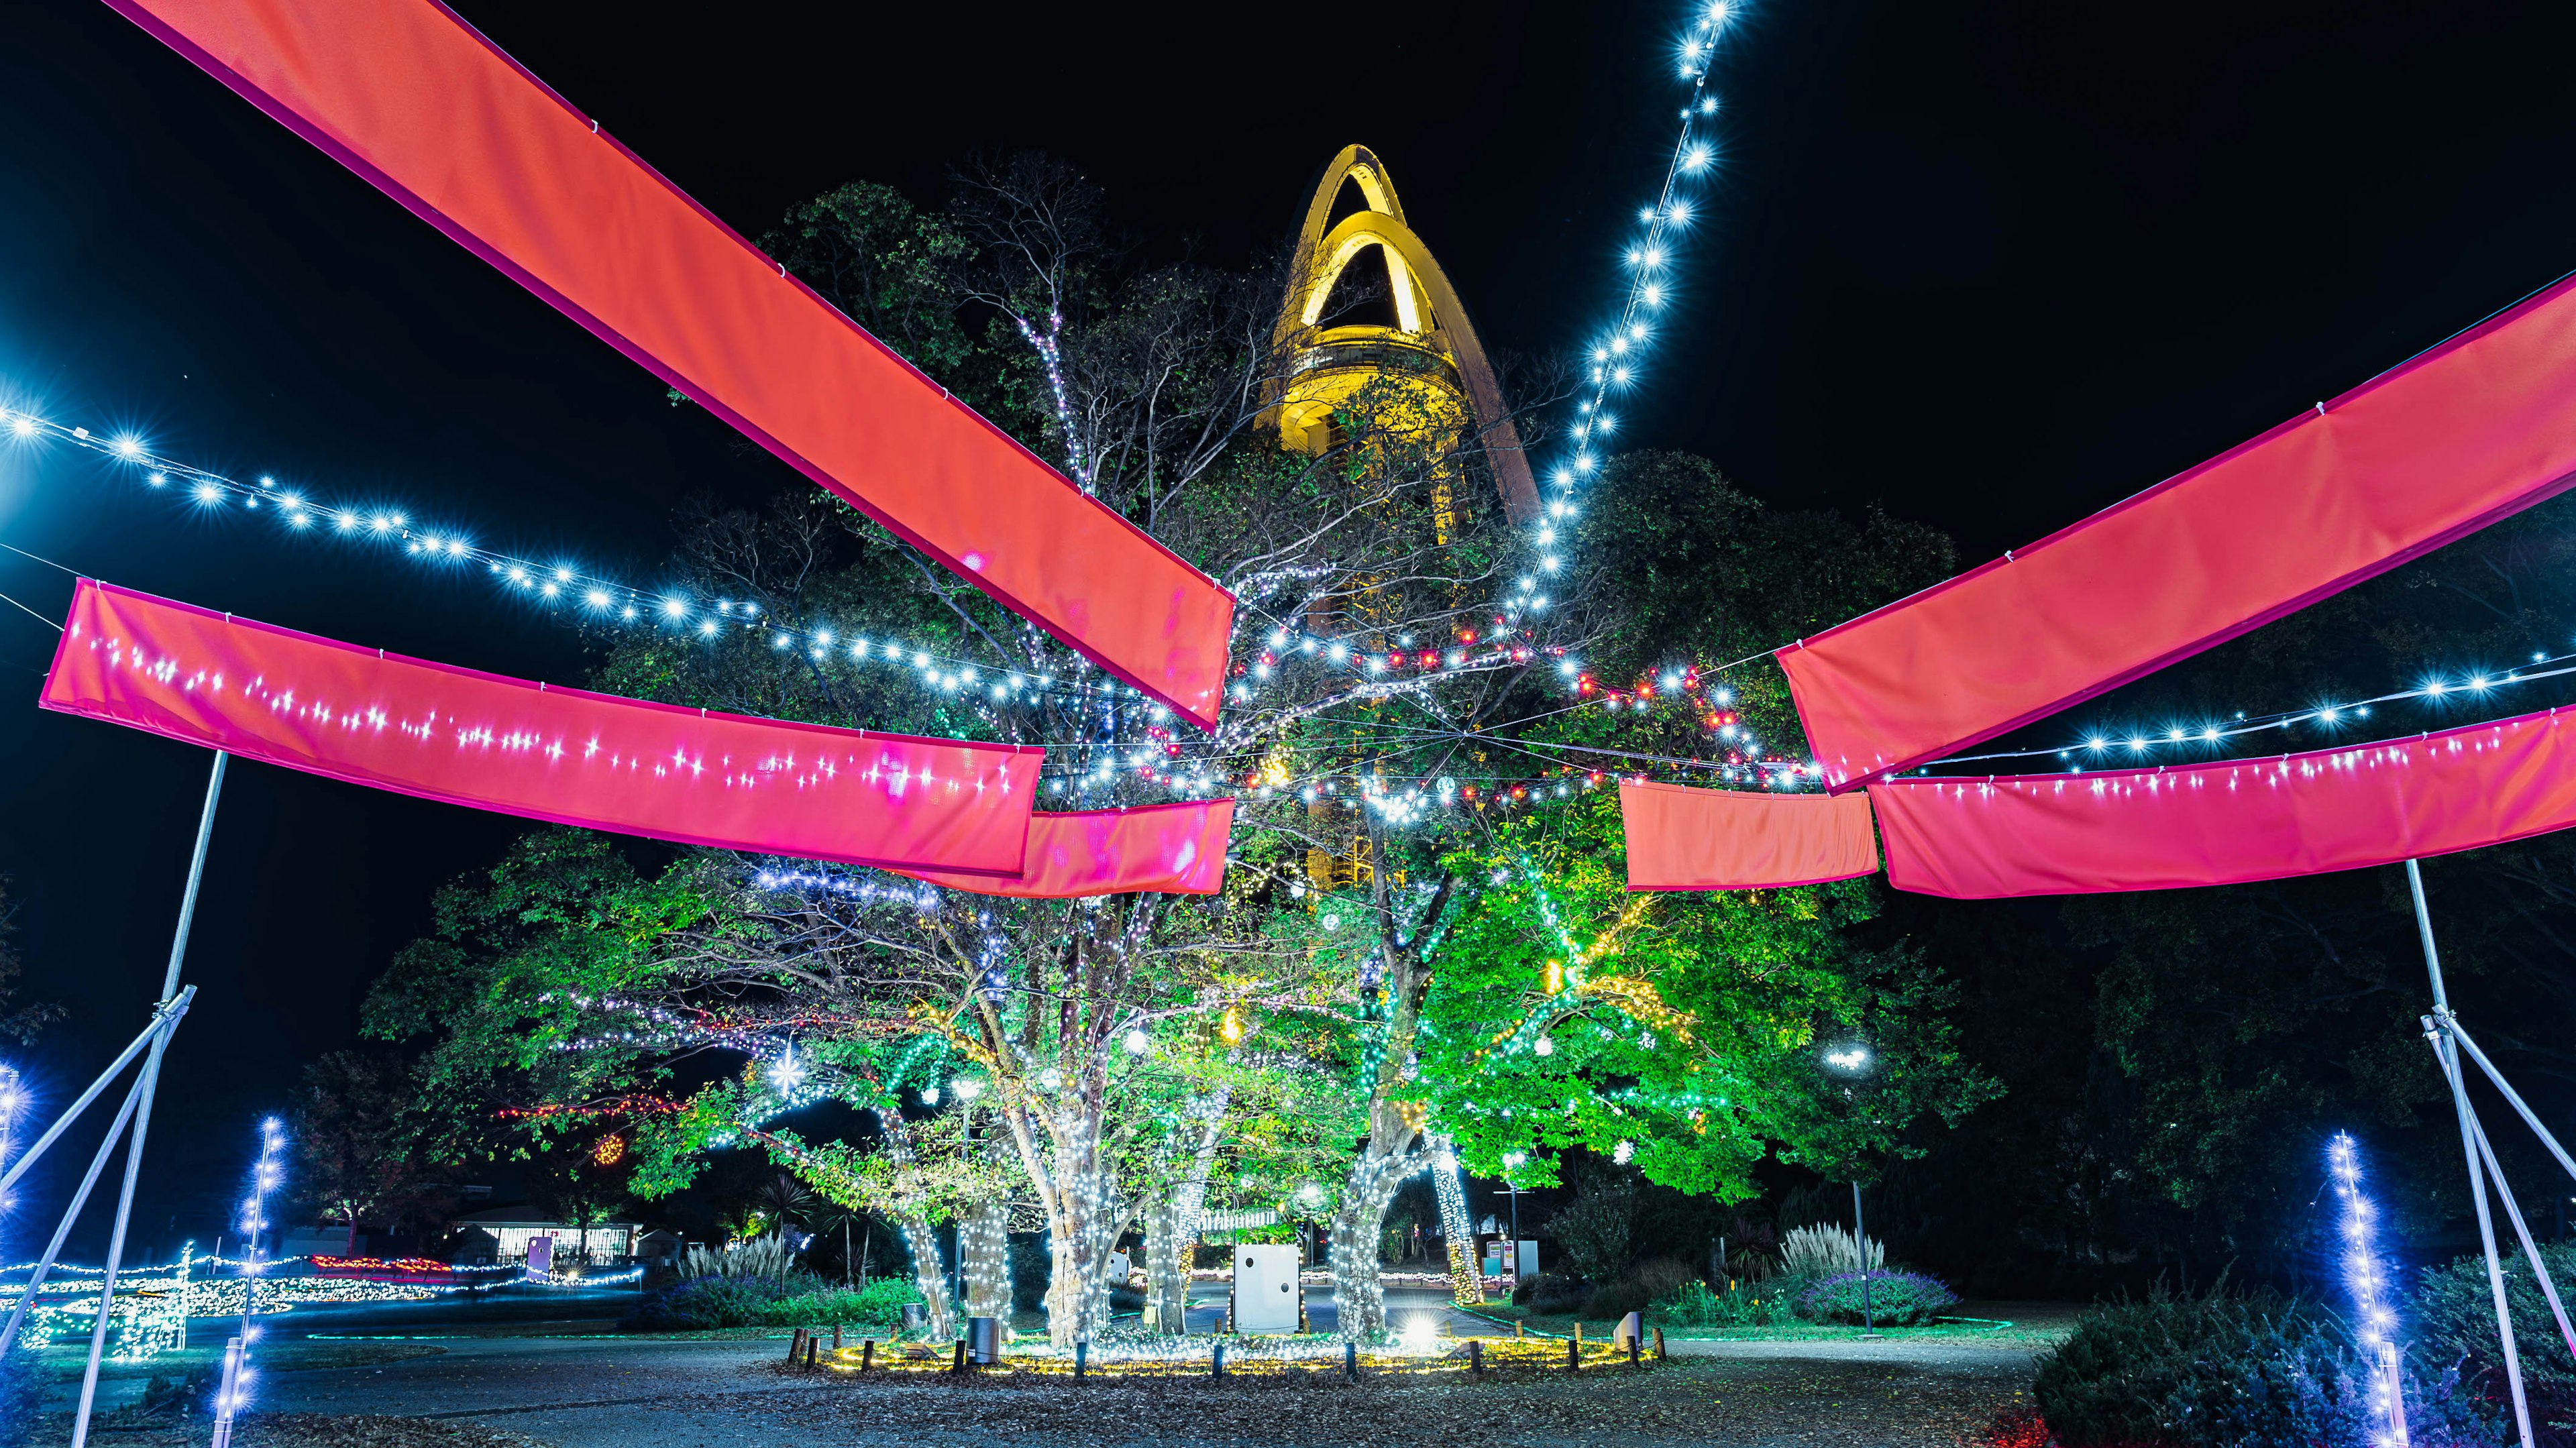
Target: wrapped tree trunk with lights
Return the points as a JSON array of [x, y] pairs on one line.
[[1392, 988], [1172, 1221]]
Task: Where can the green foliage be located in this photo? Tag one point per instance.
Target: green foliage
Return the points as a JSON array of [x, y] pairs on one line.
[[1683, 1026], [888, 265], [1596, 1232], [2452, 1320], [1697, 1307], [22, 1396], [1898, 1299], [2226, 1371], [708, 1302]]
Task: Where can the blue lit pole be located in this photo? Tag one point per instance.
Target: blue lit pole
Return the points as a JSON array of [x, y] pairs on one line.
[[2373, 1323], [265, 1177]]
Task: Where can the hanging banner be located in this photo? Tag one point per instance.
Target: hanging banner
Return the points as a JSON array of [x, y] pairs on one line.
[[539, 752], [1723, 839], [410, 97], [2462, 435], [1171, 849], [2223, 824]]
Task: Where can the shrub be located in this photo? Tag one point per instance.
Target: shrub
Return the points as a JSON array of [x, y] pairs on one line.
[[1696, 1308], [1824, 1250], [1898, 1299], [2228, 1372], [1662, 1276], [761, 1257], [22, 1395], [703, 1303], [2452, 1319], [1618, 1300], [1597, 1231], [1556, 1294]]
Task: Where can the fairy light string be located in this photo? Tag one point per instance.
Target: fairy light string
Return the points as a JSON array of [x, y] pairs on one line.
[[2374, 1324]]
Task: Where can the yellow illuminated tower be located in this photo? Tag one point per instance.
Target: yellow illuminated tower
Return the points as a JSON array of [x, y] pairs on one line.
[[1430, 346]]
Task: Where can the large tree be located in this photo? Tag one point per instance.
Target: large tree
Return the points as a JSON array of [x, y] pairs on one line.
[[1387, 670]]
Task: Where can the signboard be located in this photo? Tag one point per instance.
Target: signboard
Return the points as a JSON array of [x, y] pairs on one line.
[[1265, 1288], [541, 1256]]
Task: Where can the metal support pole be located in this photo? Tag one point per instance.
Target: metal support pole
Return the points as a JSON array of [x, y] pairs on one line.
[[80, 1199], [2451, 1024], [143, 1112], [72, 1113], [2522, 1233], [2449, 1059], [1868, 1322]]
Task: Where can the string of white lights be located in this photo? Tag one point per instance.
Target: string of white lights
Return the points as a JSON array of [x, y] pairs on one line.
[[575, 593], [2119, 748], [1616, 359]]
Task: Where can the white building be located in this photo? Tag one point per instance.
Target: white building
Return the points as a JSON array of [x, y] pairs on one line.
[[511, 1228]]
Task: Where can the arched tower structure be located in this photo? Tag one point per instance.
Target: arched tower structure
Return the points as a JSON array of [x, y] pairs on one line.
[[1429, 342]]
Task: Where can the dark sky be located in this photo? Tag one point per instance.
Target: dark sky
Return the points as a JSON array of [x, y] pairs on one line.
[[1988, 266]]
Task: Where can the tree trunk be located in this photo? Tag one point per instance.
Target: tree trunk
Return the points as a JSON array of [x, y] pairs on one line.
[[1359, 1299], [1082, 1228], [1172, 1223], [1167, 1268], [929, 1276], [985, 1244]]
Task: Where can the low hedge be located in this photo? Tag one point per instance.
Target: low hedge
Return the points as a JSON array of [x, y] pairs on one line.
[[704, 1303]]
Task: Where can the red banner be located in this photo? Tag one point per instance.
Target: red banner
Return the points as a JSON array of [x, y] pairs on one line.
[[513, 747], [1720, 839], [407, 95], [2222, 824], [1174, 849], [2468, 432]]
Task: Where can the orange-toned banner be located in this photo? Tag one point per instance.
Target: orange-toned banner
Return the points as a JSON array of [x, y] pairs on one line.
[[2466, 433], [519, 748], [409, 96], [1721, 839], [2221, 824], [1174, 849]]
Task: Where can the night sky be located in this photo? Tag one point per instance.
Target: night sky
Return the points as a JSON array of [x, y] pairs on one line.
[[1986, 266]]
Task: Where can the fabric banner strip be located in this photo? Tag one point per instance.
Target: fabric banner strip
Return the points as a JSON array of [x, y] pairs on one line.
[[518, 748], [2466, 433], [1718, 839], [2222, 824], [1173, 849], [410, 97]]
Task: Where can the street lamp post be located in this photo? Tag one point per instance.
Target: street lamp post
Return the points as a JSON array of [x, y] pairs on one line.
[[1854, 1061], [1510, 1161], [1868, 1323]]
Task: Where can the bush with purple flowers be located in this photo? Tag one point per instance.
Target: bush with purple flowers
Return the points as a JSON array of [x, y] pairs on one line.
[[1896, 1299]]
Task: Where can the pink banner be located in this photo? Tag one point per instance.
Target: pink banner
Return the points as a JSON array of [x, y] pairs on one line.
[[2466, 433], [411, 98], [2221, 824], [537, 751], [1720, 839], [1173, 849]]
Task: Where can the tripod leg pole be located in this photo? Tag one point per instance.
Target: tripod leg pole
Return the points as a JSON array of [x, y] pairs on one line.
[[143, 1112], [2522, 1233], [2449, 1060], [2486, 1240], [80, 1199]]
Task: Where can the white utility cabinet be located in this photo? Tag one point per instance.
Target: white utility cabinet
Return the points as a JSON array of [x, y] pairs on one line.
[[1266, 1295]]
